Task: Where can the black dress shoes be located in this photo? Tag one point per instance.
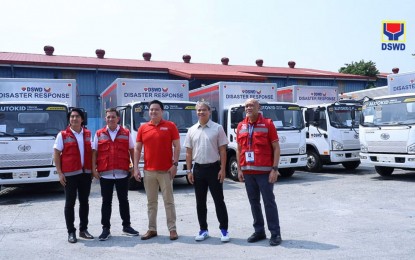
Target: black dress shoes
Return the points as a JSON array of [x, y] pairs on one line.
[[72, 237], [255, 237], [275, 240], [85, 234]]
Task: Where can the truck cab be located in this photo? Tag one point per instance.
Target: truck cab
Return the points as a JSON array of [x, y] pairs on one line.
[[27, 133], [182, 113], [387, 133], [333, 134]]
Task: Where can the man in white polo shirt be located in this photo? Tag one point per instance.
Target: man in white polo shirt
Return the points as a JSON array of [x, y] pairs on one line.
[[206, 144]]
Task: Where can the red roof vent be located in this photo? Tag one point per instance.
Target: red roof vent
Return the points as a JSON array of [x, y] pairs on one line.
[[225, 60], [49, 50], [100, 53], [395, 70], [259, 62], [291, 64], [147, 56], [186, 58]]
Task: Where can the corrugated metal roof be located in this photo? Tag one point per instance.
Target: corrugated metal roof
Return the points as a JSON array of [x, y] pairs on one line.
[[185, 70]]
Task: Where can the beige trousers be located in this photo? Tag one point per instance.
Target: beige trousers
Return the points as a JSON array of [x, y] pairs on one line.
[[152, 181]]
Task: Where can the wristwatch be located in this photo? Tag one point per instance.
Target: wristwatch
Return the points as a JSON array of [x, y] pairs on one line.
[[176, 164], [189, 171], [275, 168]]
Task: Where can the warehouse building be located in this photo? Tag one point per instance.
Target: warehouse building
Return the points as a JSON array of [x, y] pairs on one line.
[[94, 74]]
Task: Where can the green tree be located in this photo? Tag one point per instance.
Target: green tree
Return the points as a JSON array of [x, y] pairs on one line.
[[361, 68]]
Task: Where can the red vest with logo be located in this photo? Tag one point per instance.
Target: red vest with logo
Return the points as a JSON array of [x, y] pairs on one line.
[[113, 155], [260, 145], [71, 157]]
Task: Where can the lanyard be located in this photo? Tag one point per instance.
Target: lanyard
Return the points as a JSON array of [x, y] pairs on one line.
[[250, 133]]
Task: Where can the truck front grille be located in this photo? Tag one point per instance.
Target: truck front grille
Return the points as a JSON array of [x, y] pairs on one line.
[[386, 146], [25, 160]]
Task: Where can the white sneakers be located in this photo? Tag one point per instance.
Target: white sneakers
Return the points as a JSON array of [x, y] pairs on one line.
[[225, 235], [203, 234]]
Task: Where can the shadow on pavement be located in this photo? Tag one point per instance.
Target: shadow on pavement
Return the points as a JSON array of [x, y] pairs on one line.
[[31, 193]]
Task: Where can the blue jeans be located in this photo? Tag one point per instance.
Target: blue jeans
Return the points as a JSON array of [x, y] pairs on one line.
[[257, 185]]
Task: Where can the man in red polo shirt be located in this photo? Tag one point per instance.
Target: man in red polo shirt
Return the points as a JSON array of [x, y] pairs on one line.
[[160, 166]]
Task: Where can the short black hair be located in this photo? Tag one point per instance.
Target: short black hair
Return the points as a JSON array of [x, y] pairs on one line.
[[79, 111], [156, 102], [113, 109]]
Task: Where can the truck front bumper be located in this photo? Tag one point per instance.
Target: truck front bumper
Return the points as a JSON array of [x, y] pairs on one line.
[[344, 156], [27, 176], [293, 161], [389, 160]]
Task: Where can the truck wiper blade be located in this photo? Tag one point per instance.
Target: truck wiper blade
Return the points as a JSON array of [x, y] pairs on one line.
[[7, 134]]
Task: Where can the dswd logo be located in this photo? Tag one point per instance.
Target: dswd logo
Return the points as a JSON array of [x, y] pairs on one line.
[[393, 35]]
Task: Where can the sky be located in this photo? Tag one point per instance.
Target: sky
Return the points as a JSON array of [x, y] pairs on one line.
[[316, 34]]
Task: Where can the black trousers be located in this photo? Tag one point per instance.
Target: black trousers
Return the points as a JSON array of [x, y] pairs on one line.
[[207, 178], [77, 185], [107, 188]]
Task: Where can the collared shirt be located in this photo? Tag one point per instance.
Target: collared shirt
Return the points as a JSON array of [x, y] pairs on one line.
[[157, 141], [58, 145], [113, 134], [205, 142]]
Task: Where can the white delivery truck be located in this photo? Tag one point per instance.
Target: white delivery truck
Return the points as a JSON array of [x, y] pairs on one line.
[[228, 99], [387, 128], [132, 96], [332, 134], [370, 93], [32, 112]]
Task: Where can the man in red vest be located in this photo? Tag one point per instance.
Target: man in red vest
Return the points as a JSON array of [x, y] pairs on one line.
[[112, 149], [72, 155], [258, 155]]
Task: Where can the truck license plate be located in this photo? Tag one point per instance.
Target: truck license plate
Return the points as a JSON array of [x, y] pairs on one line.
[[24, 175], [284, 161], [385, 159]]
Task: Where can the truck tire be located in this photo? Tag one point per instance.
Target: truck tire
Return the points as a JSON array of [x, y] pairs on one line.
[[351, 165], [384, 171], [286, 172], [233, 168], [313, 162], [133, 184]]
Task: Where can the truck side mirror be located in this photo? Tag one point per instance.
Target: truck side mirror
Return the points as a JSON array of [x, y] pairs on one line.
[[236, 116], [353, 114], [86, 118], [214, 115]]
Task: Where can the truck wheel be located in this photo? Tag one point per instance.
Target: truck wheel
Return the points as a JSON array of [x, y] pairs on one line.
[[313, 162], [233, 168], [384, 171], [351, 165], [286, 172], [133, 184]]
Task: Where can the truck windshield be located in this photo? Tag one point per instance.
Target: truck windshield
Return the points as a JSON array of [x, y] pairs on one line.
[[285, 117], [182, 114], [340, 116], [389, 111], [29, 120]]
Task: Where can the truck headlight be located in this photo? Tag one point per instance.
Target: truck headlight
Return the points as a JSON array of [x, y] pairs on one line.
[[336, 145], [363, 148], [303, 149], [411, 149]]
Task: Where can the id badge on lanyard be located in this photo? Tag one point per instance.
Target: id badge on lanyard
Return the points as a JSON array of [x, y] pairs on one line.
[[249, 155]]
